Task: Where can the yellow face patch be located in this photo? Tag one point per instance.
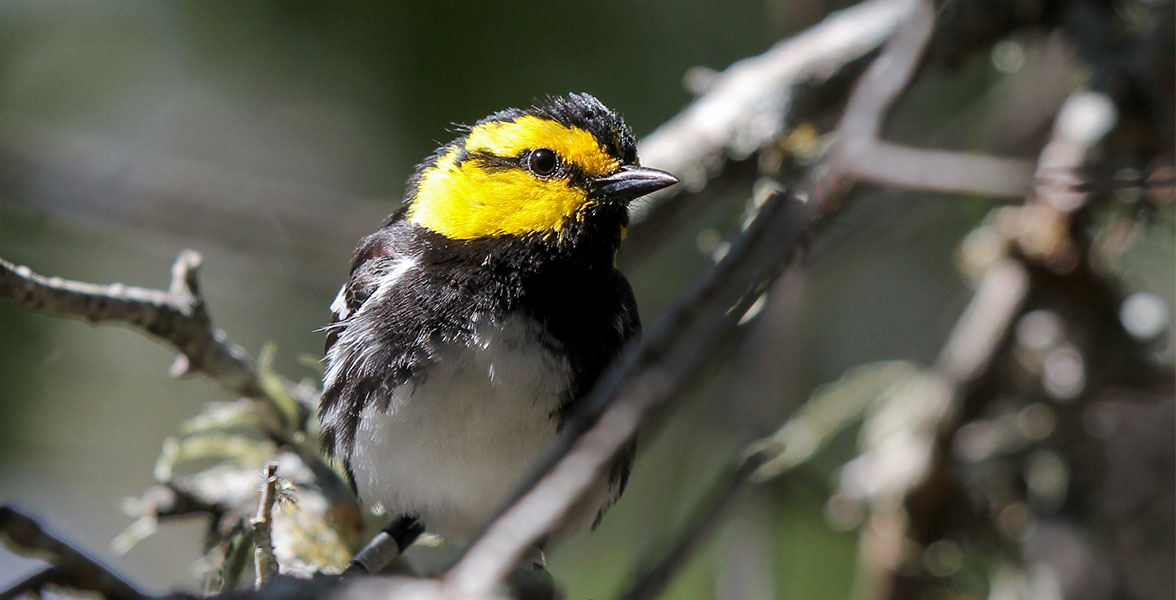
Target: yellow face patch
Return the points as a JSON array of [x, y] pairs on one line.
[[470, 201], [572, 144]]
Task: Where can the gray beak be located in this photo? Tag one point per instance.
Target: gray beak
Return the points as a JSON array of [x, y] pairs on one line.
[[631, 182]]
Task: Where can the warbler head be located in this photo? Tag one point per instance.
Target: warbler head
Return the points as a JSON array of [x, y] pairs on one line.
[[562, 172]]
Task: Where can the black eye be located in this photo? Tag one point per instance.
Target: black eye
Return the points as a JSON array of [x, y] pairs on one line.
[[542, 162]]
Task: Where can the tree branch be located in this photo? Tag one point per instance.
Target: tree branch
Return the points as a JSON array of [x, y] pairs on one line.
[[263, 540], [641, 381], [74, 569], [34, 583], [653, 578], [862, 155], [944, 171], [1004, 287], [873, 95], [177, 316], [747, 107]]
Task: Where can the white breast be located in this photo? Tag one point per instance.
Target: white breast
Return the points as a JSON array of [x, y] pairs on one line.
[[456, 440]]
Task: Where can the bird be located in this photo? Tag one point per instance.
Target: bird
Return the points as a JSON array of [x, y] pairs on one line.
[[481, 313]]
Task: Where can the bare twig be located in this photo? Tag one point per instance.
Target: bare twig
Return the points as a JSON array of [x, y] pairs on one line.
[[983, 325], [75, 569], [946, 171], [1003, 290], [747, 107], [862, 155], [642, 380], [873, 95], [262, 524], [34, 583], [652, 579], [177, 316]]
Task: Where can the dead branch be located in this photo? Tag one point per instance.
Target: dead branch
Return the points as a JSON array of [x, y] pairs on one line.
[[747, 107], [862, 155], [177, 316], [643, 379], [743, 109], [652, 579], [72, 568], [263, 540], [978, 336], [873, 95], [34, 583]]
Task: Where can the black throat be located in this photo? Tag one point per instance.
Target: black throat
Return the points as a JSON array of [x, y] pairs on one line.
[[567, 282]]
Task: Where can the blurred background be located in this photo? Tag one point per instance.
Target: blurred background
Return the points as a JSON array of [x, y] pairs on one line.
[[271, 136]]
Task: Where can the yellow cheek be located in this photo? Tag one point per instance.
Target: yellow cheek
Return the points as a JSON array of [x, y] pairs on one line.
[[471, 202]]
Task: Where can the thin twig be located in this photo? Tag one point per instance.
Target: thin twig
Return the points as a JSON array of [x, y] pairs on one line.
[[33, 584], [652, 579], [745, 108], [984, 323], [177, 316], [643, 379], [944, 171], [25, 536], [1004, 289], [263, 543], [873, 95], [861, 154]]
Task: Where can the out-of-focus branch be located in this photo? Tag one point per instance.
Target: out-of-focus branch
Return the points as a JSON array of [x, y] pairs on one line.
[[641, 381], [984, 323], [750, 104], [73, 568], [938, 170], [1004, 286], [862, 155], [747, 107], [652, 579], [873, 95], [177, 316], [33, 584]]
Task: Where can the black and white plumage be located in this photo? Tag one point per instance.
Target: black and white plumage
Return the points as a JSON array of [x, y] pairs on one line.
[[453, 363], [447, 376]]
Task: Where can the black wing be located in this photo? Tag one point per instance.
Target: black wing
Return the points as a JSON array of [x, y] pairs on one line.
[[405, 295], [348, 383], [629, 326], [598, 320]]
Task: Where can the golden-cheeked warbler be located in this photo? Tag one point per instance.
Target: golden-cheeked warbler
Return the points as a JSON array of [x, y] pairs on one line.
[[481, 312]]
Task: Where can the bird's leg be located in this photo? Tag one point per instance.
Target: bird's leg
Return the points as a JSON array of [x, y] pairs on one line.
[[534, 560], [389, 543], [531, 579]]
